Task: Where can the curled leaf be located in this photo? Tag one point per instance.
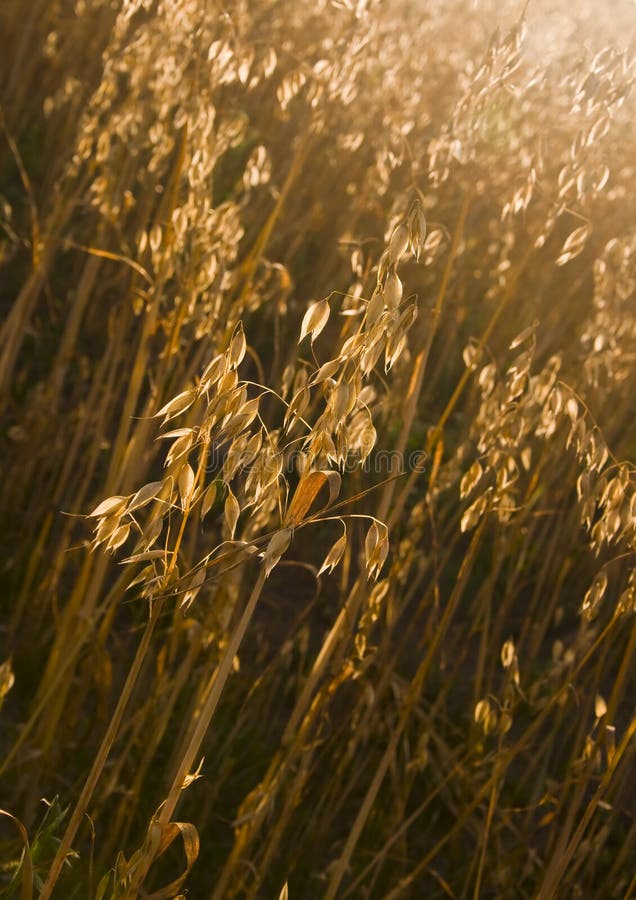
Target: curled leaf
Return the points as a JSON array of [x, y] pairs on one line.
[[159, 838], [308, 489], [191, 777]]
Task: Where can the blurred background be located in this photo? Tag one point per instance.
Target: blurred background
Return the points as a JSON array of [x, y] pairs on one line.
[[249, 252]]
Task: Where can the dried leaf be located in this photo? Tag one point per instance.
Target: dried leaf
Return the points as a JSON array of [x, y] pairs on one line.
[[193, 776], [392, 290], [142, 557], [252, 448], [315, 320], [208, 499], [238, 347], [106, 527], [308, 489], [180, 448], [472, 354], [594, 595], [295, 410], [186, 483], [574, 244], [151, 532], [144, 495], [470, 479], [193, 588], [213, 371], [474, 512], [119, 537], [417, 230], [109, 507], [327, 370], [175, 433], [399, 242], [335, 554], [276, 547], [146, 575], [375, 308], [376, 548], [159, 839], [232, 511], [371, 355], [341, 400], [177, 405], [394, 349], [524, 335]]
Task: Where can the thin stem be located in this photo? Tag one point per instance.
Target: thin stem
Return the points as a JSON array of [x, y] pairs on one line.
[[416, 687], [102, 755], [208, 707]]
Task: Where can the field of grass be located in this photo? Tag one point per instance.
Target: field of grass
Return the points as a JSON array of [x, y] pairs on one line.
[[318, 496]]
